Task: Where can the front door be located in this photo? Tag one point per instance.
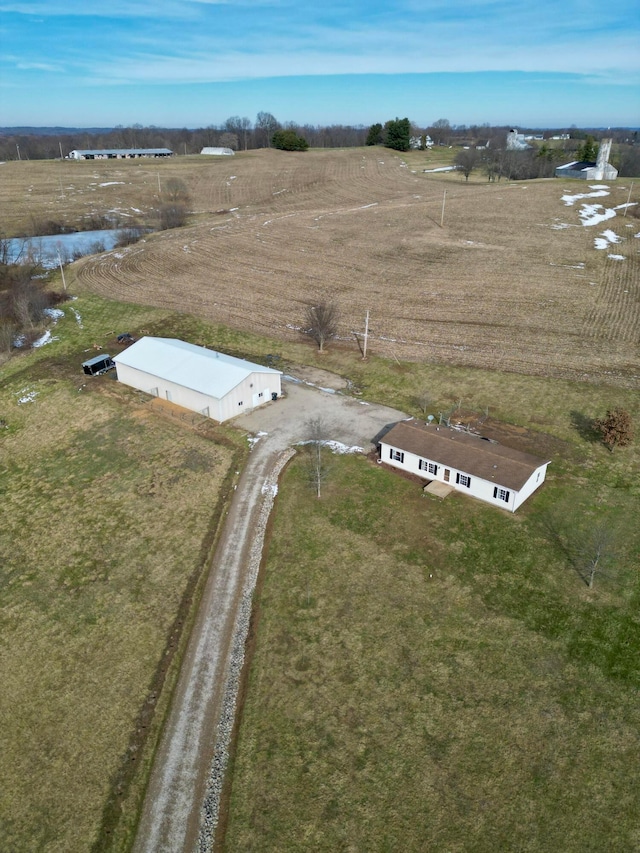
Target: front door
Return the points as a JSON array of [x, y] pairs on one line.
[[447, 474]]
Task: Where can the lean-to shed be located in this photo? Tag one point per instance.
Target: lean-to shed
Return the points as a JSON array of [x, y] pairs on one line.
[[216, 385]]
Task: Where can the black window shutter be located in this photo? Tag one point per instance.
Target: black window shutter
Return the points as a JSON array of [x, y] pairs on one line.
[[495, 491]]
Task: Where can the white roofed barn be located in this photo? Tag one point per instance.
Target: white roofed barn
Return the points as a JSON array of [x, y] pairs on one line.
[[216, 385]]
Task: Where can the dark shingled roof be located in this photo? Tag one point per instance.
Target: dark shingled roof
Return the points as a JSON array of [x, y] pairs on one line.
[[465, 452]]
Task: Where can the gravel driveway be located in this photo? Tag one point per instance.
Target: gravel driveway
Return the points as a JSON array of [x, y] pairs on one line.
[[181, 806]]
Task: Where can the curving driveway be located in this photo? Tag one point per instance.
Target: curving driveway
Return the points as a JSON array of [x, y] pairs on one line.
[[180, 809]]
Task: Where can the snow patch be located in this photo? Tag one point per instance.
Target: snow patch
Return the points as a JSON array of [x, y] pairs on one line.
[[593, 214], [254, 439], [570, 199], [54, 313], [616, 257], [45, 339], [334, 446], [28, 395]]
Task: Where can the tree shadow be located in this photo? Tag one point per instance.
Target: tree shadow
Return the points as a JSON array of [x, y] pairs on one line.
[[556, 530], [584, 426]]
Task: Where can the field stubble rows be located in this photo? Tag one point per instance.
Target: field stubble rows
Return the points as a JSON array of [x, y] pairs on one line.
[[512, 281]]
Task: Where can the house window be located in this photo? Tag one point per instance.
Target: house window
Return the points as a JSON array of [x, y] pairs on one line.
[[463, 480], [396, 455], [501, 494], [429, 467]]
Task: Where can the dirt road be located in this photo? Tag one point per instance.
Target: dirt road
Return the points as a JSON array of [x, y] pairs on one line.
[[180, 810]]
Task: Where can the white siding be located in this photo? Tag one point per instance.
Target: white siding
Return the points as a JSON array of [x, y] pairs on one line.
[[240, 399], [478, 487]]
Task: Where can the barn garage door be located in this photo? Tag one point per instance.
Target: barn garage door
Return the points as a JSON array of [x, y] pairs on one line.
[[261, 397]]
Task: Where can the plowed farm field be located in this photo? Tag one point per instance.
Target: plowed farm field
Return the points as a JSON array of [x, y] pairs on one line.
[[510, 277]]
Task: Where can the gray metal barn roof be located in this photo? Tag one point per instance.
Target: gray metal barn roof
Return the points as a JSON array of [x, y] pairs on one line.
[[203, 370], [122, 152]]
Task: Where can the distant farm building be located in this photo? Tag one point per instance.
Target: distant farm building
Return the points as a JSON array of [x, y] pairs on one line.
[[117, 153], [216, 385], [516, 141], [465, 462], [218, 152], [601, 170]]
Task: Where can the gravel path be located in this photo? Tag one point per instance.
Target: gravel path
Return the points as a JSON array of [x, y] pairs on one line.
[[181, 807]]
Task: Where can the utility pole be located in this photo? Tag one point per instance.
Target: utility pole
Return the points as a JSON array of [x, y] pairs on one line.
[[60, 144], [444, 198], [628, 200], [64, 283], [18, 150], [366, 336]]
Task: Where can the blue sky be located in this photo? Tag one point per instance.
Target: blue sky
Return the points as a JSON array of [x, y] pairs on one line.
[[193, 63]]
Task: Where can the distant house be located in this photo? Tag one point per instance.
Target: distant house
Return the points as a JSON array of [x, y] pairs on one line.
[[420, 142], [117, 153], [467, 463], [601, 170], [216, 385], [218, 152]]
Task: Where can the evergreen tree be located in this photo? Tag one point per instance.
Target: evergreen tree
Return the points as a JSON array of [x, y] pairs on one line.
[[588, 151], [288, 140], [374, 137], [397, 134]]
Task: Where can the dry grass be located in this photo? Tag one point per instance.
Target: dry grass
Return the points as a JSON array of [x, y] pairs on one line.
[[106, 514], [500, 286]]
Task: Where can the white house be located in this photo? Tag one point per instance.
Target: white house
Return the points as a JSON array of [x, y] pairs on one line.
[[216, 385], [468, 463]]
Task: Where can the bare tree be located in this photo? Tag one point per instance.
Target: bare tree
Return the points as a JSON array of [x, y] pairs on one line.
[[266, 125], [466, 161], [317, 446], [592, 546], [423, 401], [615, 428], [597, 552], [321, 322], [175, 189], [7, 334], [229, 140]]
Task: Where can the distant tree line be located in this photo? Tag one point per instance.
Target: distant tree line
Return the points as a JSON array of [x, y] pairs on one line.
[[241, 134]]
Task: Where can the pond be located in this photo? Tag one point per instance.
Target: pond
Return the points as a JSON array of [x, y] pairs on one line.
[[68, 247]]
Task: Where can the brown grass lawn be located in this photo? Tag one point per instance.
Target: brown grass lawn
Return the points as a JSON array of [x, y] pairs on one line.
[[513, 280], [435, 678], [108, 515]]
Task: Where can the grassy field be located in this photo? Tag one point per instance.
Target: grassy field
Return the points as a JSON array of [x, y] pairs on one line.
[[109, 514], [439, 677], [424, 673]]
